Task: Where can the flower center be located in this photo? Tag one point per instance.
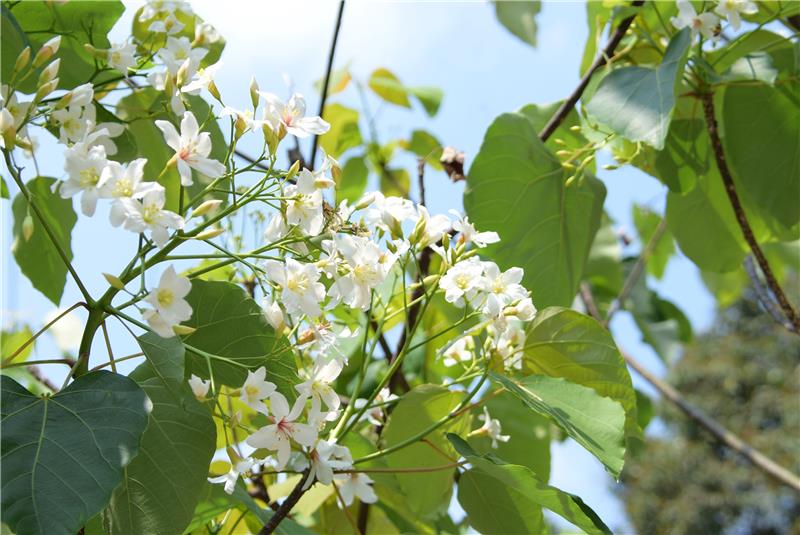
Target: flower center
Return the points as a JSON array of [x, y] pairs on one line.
[[165, 297], [297, 283], [123, 188], [149, 213], [89, 177]]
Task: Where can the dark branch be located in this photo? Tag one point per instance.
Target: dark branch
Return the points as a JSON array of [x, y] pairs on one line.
[[287, 505], [764, 297], [599, 61], [741, 217]]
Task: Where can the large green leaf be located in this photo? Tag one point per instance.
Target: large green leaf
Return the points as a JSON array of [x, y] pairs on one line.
[[646, 222], [506, 498], [37, 257], [62, 456], [540, 115], [231, 325], [353, 182], [344, 133], [517, 188], [78, 22], [519, 17], [389, 87], [637, 102], [164, 482], [425, 492], [597, 423], [564, 343], [662, 324], [762, 146], [603, 269], [13, 41]]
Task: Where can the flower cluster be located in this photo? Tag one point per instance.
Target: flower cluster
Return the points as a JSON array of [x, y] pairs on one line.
[[707, 23]]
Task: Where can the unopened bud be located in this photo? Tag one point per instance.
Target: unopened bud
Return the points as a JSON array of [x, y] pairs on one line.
[[559, 141], [209, 234], [206, 207], [183, 330], [419, 231], [293, 170], [563, 153], [365, 201], [446, 240], [45, 90], [7, 129], [254, 93], [183, 73], [47, 51], [22, 60], [114, 281], [430, 280], [575, 128], [212, 88], [271, 137], [50, 72], [610, 167], [27, 227]]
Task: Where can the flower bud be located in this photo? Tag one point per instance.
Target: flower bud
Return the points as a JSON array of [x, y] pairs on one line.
[[214, 91], [206, 207], [209, 234], [8, 132], [365, 201], [254, 92], [183, 73], [22, 60], [96, 52], [47, 51], [45, 90], [27, 227], [563, 153], [183, 330], [49, 72], [271, 138], [114, 281], [293, 170]]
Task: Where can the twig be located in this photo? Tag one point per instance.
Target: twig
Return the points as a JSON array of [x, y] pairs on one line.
[[599, 61], [37, 374], [363, 516], [285, 507], [327, 80], [764, 297], [636, 271], [741, 217], [421, 179], [731, 440], [30, 340]]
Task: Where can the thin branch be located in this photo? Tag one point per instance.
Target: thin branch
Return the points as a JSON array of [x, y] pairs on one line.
[[327, 80], [39, 376], [30, 340], [599, 61], [421, 179], [755, 457], [764, 297], [285, 507], [741, 217]]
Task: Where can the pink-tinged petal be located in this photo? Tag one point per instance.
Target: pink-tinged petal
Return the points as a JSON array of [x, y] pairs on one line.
[[170, 134], [209, 168], [203, 145], [313, 125], [284, 450], [297, 105]]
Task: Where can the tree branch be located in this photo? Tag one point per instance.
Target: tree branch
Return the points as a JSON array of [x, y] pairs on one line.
[[599, 61], [287, 505], [764, 297], [327, 80], [741, 217]]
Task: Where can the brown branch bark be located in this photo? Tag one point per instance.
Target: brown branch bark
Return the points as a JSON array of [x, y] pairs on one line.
[[741, 217], [599, 61], [287, 505]]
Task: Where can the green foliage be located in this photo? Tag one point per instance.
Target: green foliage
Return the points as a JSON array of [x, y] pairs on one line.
[[354, 180], [519, 18], [389, 87], [646, 222], [62, 456], [344, 133], [637, 102], [231, 329], [162, 484], [743, 372], [506, 498], [36, 256], [514, 176]]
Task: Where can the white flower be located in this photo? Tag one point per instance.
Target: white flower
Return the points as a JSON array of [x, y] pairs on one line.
[[149, 214], [155, 8], [503, 288], [523, 311], [375, 415], [121, 182], [491, 427], [238, 467], [325, 458], [283, 430], [302, 291], [205, 33], [733, 9], [355, 485], [203, 78], [304, 209], [81, 95], [704, 23], [509, 345], [459, 351], [318, 388], [169, 306], [199, 387], [273, 314], [84, 166], [470, 235], [364, 271], [276, 228], [18, 110], [121, 56], [177, 51], [255, 389], [291, 116], [192, 148], [169, 25], [430, 229], [387, 213], [73, 122], [462, 282], [244, 120]]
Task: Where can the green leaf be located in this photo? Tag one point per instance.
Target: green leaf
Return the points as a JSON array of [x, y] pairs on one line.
[[686, 155], [340, 78], [564, 343], [603, 269], [11, 341], [517, 188], [37, 257], [387, 86], [426, 146], [425, 492], [493, 486], [539, 115], [344, 133], [62, 456], [232, 327], [646, 221], [637, 102], [78, 22], [762, 145], [519, 17], [662, 324], [163, 484], [125, 142], [429, 97], [4, 189], [597, 423], [760, 41], [353, 182], [13, 40], [395, 182]]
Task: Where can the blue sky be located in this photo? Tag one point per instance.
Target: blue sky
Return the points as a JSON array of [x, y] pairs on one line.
[[457, 46]]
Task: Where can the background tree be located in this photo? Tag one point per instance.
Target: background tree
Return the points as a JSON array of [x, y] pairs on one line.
[[745, 373]]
